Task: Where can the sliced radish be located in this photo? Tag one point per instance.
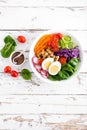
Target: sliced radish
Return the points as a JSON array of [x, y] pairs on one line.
[[35, 60], [44, 72], [44, 76], [38, 68]]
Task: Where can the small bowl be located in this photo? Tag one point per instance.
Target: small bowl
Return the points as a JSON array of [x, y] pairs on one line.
[[19, 64], [31, 54]]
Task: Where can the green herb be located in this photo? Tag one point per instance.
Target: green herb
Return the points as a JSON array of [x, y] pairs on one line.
[[66, 71], [26, 74], [9, 46]]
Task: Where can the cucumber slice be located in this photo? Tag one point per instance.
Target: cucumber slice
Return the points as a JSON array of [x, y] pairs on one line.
[[67, 38], [71, 45]]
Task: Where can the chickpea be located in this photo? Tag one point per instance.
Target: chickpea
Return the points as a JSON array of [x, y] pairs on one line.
[[49, 51], [43, 51], [48, 56], [51, 55], [56, 58]]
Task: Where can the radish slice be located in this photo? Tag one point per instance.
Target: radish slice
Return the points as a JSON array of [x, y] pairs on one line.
[[38, 68], [44, 76], [44, 72], [35, 60]]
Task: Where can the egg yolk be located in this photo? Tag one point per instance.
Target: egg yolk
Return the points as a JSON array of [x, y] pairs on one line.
[[54, 69], [47, 64]]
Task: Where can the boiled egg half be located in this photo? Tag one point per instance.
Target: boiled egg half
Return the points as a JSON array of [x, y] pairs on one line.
[[46, 63], [54, 68]]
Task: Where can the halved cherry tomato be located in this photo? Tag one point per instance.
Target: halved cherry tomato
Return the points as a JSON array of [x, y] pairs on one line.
[[7, 69], [21, 39], [62, 60], [54, 43], [14, 73], [59, 35], [40, 61]]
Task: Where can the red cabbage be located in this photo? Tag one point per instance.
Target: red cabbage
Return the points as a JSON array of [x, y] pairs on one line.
[[68, 53]]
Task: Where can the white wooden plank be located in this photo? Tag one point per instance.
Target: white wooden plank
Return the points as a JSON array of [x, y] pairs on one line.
[[37, 108], [9, 85], [43, 122], [43, 3], [67, 100], [47, 18]]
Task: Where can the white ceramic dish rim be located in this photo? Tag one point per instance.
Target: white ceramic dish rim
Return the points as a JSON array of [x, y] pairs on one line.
[[31, 54]]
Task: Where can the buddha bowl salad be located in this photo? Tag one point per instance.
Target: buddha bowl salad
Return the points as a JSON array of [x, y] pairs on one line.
[[57, 56]]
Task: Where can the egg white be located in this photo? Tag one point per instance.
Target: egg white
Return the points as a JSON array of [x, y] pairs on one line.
[[57, 64], [45, 61]]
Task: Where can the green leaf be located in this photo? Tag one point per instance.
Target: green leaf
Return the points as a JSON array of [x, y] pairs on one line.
[[7, 50], [74, 62], [26, 74], [9, 46], [63, 74], [8, 38]]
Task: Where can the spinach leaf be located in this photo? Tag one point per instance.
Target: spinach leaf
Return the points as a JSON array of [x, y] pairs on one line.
[[9, 46], [63, 74], [7, 50], [74, 62], [26, 74], [54, 78], [68, 67], [8, 38]]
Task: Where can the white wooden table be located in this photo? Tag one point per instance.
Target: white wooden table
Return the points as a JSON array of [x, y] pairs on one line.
[[34, 105]]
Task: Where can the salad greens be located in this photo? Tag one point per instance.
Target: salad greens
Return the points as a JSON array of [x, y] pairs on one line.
[[26, 74], [67, 70], [9, 46]]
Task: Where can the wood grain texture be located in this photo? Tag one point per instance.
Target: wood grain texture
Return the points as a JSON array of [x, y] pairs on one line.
[[45, 18], [43, 121], [48, 3]]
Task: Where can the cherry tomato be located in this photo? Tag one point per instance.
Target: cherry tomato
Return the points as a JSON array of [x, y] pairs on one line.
[[59, 35], [62, 60], [21, 39], [7, 69], [14, 73]]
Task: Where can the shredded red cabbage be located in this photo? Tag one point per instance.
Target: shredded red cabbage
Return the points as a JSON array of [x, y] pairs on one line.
[[68, 53]]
